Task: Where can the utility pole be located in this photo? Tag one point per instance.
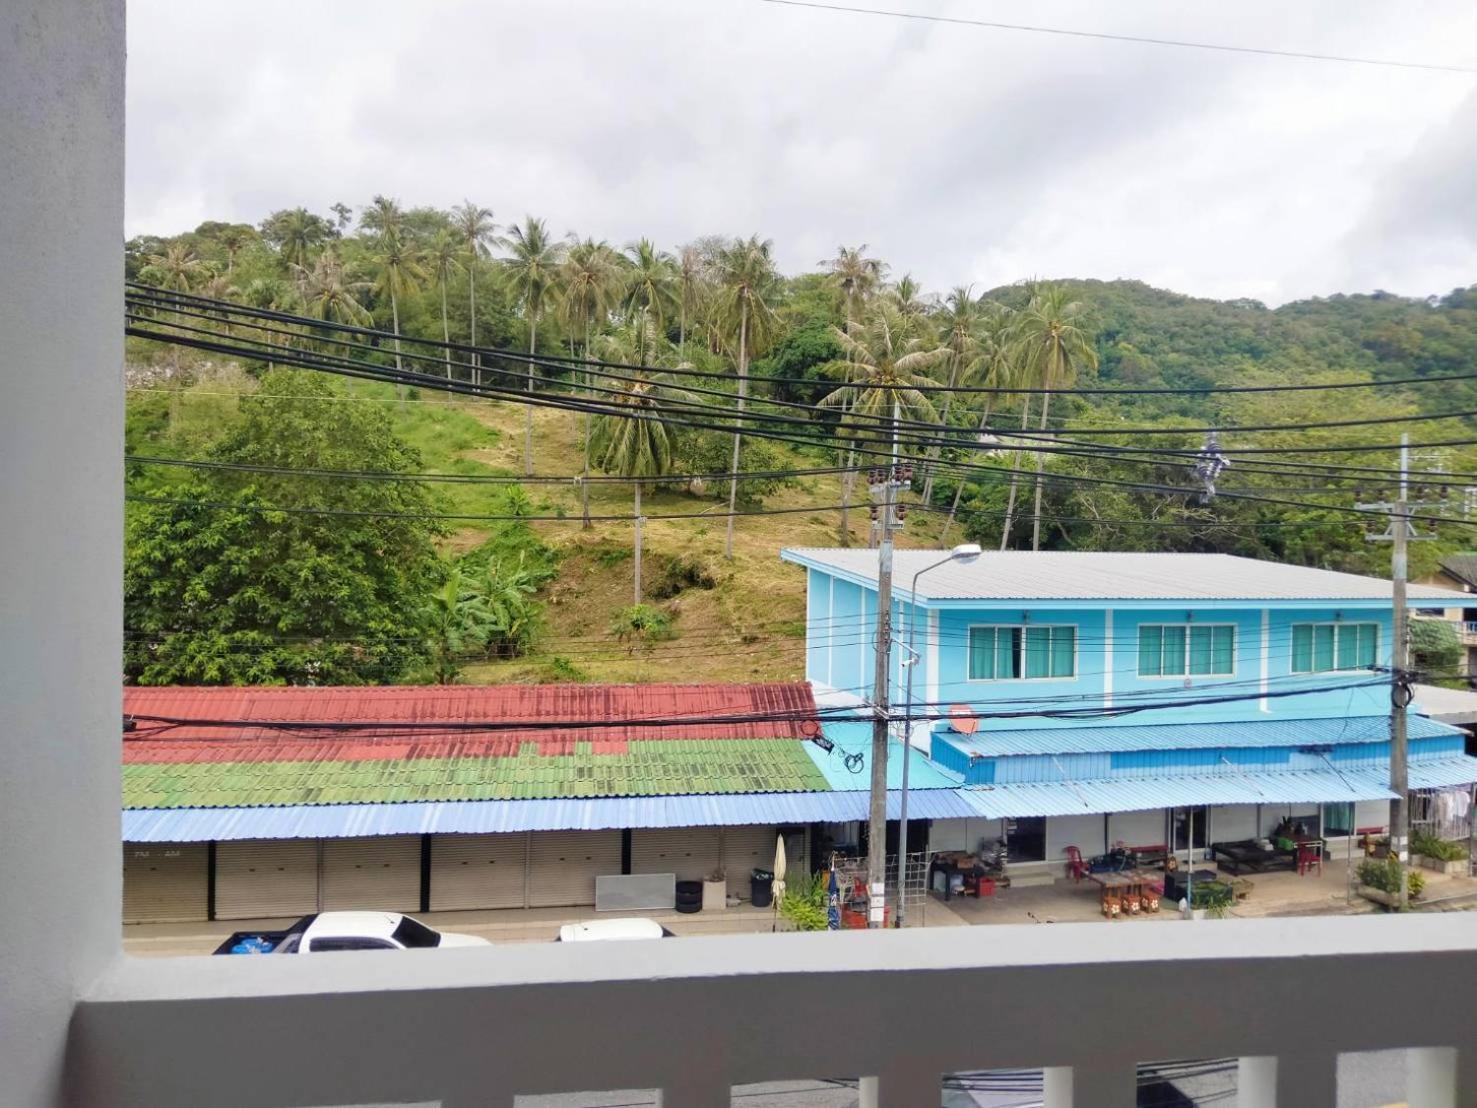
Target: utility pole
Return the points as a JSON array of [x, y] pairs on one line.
[[1399, 534], [883, 486]]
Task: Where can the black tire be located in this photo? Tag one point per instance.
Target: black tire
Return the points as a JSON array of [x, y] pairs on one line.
[[689, 897]]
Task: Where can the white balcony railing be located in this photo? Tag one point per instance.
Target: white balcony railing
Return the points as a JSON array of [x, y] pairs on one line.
[[696, 1015]]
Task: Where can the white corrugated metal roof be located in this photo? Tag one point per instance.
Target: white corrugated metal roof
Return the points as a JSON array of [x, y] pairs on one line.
[[1081, 575]]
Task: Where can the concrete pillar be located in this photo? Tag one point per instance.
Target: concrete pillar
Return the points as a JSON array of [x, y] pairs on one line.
[[867, 1093], [1431, 1077], [1056, 1084], [1256, 1082], [1307, 1080], [61, 444], [696, 1090]]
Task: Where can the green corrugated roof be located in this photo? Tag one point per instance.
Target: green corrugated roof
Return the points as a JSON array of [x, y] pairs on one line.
[[647, 768]]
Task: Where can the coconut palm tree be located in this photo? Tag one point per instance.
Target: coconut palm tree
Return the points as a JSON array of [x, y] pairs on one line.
[[590, 276], [885, 369], [690, 275], [532, 266], [444, 256], [398, 272], [650, 284], [274, 295], [178, 268], [296, 231], [913, 304], [748, 285], [957, 326], [330, 294], [995, 365], [233, 239], [475, 226], [856, 275], [1054, 347], [634, 441]]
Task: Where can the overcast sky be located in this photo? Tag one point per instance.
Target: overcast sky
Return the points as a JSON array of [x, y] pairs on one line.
[[961, 155]]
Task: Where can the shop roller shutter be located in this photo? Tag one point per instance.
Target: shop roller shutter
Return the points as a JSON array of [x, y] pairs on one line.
[[164, 882], [746, 849], [382, 873], [263, 878], [479, 871], [692, 853], [563, 866]]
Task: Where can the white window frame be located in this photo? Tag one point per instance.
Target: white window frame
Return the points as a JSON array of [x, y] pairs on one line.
[[1185, 674], [1335, 624], [1021, 627]]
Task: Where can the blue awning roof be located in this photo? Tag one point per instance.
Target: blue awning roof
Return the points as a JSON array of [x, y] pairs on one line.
[[333, 821], [1114, 738]]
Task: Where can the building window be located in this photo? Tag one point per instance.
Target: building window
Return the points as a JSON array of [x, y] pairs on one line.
[[1017, 653], [1178, 649], [1326, 647]]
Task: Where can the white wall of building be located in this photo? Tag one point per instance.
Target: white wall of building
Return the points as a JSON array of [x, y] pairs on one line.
[[962, 834], [1083, 832], [1232, 822], [61, 441], [1137, 828]]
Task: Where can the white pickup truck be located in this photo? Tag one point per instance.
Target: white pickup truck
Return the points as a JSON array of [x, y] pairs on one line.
[[322, 932]]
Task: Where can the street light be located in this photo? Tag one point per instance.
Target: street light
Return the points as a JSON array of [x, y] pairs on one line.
[[963, 554]]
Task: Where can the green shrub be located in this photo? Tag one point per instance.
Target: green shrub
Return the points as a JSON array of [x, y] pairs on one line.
[[804, 903], [1385, 874], [1417, 881], [677, 573], [1424, 843], [642, 625], [561, 669]]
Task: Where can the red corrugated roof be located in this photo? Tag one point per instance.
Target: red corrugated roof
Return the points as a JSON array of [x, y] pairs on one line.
[[537, 705]]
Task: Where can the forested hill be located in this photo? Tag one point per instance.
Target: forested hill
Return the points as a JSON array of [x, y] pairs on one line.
[[1153, 338]]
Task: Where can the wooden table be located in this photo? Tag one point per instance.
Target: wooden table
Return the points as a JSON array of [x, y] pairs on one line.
[[1128, 892]]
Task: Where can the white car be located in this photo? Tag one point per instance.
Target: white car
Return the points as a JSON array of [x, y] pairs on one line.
[[605, 930], [323, 932]]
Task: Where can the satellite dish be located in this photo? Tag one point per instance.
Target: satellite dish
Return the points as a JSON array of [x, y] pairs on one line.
[[963, 720]]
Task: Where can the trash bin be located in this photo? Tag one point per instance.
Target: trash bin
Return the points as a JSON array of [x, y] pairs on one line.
[[761, 888]]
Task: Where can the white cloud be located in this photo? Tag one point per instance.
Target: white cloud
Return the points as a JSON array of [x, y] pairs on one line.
[[961, 155]]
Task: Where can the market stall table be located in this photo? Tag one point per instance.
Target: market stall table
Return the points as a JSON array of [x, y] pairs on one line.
[[1131, 891]]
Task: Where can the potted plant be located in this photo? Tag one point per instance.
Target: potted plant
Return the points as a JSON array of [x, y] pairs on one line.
[[1380, 880], [715, 891], [1429, 852]]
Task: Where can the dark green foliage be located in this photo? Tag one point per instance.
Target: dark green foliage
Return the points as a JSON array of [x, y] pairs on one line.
[[641, 625], [805, 901], [1427, 844], [237, 595], [712, 452], [1436, 650], [676, 573]]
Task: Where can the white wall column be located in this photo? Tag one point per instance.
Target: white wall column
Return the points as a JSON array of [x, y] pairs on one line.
[[61, 445], [1431, 1077], [1056, 1084], [1256, 1082]]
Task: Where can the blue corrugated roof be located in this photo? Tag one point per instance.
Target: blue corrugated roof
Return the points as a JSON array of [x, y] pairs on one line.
[[1113, 738], [1442, 774], [331, 821], [1074, 798]]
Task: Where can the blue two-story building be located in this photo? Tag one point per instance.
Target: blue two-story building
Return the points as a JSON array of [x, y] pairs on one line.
[[1087, 699]]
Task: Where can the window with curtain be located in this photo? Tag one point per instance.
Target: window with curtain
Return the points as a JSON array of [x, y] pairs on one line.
[[1015, 653], [1329, 647], [1196, 649]]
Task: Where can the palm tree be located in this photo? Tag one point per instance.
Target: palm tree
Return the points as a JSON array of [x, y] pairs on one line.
[[342, 214], [912, 304], [856, 275], [635, 442], [383, 218], [650, 284], [272, 294], [328, 293], [589, 275], [297, 231], [533, 266], [1054, 346], [178, 268], [444, 255], [995, 365], [476, 228], [397, 264], [957, 324], [690, 273], [233, 239], [749, 284], [884, 367]]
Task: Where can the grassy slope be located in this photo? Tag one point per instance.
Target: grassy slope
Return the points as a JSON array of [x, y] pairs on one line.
[[749, 627]]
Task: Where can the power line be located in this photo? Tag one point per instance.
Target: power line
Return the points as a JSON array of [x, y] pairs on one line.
[[1143, 40]]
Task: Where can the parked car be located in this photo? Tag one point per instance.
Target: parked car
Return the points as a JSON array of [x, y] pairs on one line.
[[322, 932], [605, 930]]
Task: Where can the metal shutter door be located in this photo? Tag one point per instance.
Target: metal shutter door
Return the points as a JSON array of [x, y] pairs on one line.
[[692, 853], [746, 849], [164, 882], [258, 878], [375, 874], [563, 866], [478, 871]]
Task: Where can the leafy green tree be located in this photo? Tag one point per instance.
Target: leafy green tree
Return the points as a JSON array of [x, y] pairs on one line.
[[508, 589], [177, 268], [532, 266], [748, 286], [249, 578], [295, 233]]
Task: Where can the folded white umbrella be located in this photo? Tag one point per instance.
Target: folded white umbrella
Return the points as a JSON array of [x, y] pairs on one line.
[[779, 867]]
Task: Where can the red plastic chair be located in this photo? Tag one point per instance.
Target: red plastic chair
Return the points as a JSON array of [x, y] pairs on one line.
[[1076, 867], [1310, 856]]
